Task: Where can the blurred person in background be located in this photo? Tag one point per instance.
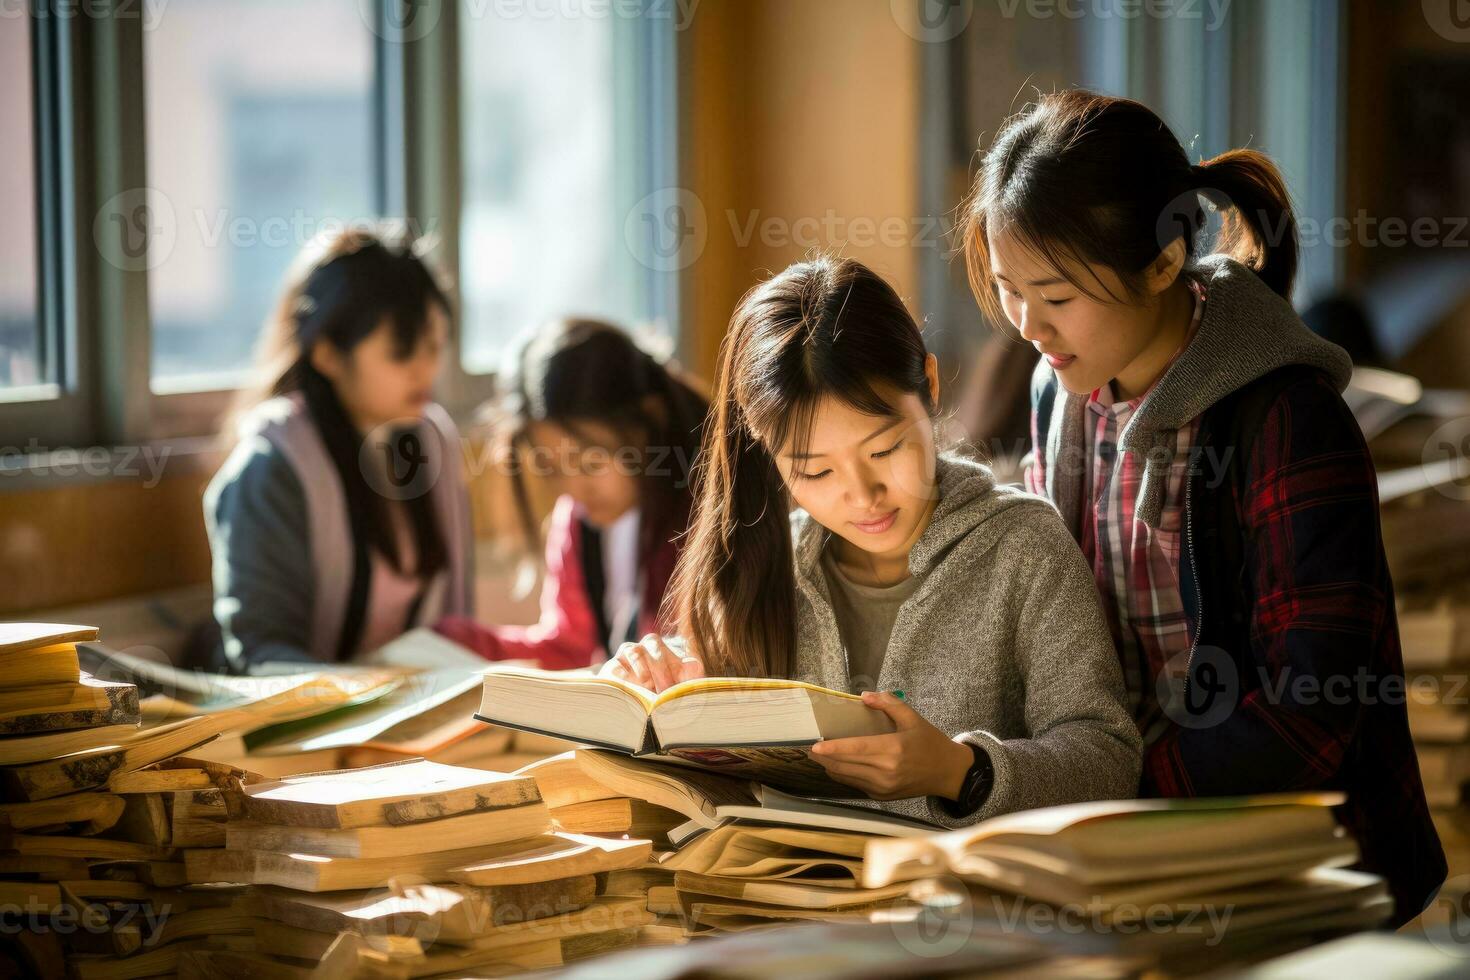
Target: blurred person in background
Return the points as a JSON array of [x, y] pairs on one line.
[[341, 519], [614, 431]]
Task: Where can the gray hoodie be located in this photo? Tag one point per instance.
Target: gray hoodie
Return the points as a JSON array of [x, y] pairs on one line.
[[1002, 644]]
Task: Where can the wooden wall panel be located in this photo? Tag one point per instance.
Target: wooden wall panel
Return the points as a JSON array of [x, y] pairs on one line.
[[85, 542]]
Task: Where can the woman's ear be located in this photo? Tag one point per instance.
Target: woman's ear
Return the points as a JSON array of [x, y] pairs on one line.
[[1165, 268], [931, 371], [327, 360]]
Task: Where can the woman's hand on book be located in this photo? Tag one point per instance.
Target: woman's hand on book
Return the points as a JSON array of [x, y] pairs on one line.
[[916, 760], [653, 664]]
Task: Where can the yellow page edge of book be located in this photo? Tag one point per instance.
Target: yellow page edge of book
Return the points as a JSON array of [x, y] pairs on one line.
[[706, 685], [1057, 819], [887, 858], [67, 647], [699, 685]]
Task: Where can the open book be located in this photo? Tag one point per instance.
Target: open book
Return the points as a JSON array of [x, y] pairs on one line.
[[752, 728], [710, 801], [1128, 852]]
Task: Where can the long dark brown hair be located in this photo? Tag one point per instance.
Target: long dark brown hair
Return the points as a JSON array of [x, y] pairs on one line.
[[1103, 180], [342, 287], [825, 327], [578, 370]]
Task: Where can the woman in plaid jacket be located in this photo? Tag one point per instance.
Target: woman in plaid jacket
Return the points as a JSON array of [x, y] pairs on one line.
[[1191, 432]]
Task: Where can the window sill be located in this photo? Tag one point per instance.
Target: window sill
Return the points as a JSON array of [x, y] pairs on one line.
[[146, 464]]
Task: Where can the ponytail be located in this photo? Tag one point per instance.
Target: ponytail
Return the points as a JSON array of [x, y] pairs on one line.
[[1102, 180], [1258, 228]]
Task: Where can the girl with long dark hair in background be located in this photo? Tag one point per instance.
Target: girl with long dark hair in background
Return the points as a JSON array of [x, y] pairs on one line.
[[613, 432], [340, 519]]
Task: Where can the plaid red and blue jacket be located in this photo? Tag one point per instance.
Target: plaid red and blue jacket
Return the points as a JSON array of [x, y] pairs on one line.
[[1294, 680]]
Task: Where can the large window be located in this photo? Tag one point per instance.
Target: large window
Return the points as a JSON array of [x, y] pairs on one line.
[[22, 352], [260, 133], [165, 163], [554, 162]]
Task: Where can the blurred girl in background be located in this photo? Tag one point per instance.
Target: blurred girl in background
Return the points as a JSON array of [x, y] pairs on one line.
[[341, 520], [613, 432]]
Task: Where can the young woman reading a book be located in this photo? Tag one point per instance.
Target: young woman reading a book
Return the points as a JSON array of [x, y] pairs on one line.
[[613, 431], [1190, 430], [902, 570], [340, 520]]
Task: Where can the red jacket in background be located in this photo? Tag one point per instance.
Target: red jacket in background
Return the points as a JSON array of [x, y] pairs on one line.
[[567, 634]]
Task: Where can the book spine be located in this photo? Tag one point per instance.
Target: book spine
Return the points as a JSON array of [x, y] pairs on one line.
[[293, 815], [121, 709], [59, 777], [401, 812]]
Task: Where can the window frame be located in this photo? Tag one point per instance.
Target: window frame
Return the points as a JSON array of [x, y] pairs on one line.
[[56, 412], [89, 121], [646, 114]]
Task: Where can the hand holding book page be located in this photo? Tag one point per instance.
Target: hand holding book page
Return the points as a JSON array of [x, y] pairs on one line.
[[653, 663], [915, 760], [750, 727]]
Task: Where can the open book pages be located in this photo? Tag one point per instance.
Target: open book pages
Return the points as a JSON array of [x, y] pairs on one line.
[[361, 722], [1117, 839], [707, 711], [767, 851], [709, 800], [751, 728]]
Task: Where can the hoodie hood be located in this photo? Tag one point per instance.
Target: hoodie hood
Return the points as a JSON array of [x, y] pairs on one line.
[[968, 498], [1247, 331]]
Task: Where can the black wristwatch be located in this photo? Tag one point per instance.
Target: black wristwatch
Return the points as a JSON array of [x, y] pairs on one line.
[[975, 789]]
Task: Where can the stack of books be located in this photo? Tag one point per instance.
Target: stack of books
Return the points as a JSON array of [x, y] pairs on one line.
[[750, 875], [49, 706], [741, 855], [1424, 501], [567, 788], [1436, 646], [681, 830], [423, 868], [106, 871], [1130, 885], [1149, 883], [1170, 883], [103, 813]]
